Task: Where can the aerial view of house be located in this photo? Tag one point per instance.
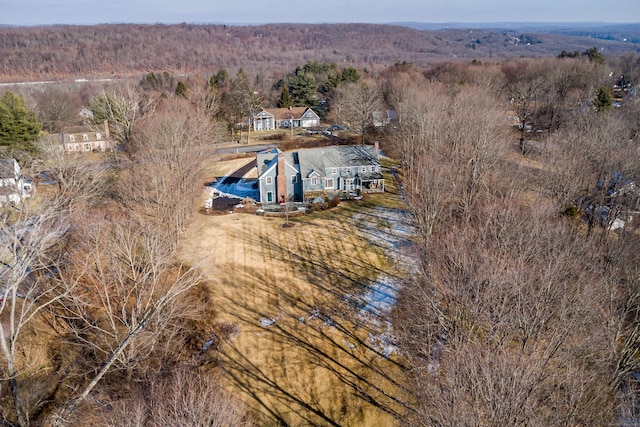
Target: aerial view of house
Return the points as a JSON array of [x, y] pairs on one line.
[[309, 174], [78, 139], [274, 118]]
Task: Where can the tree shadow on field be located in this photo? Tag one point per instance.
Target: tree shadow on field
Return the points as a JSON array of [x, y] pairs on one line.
[[306, 352]]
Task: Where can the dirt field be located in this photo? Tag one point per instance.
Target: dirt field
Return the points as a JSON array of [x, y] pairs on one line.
[[307, 303]]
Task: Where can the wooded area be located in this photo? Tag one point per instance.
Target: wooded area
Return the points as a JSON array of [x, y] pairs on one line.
[[519, 304], [122, 50]]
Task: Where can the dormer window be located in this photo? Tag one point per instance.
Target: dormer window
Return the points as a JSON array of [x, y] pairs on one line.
[[98, 136]]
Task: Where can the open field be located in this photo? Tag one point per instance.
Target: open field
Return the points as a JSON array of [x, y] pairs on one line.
[[307, 304]]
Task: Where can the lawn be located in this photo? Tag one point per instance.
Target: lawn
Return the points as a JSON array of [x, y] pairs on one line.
[[308, 303]]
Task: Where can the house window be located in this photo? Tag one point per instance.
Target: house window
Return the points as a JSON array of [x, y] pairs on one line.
[[373, 168], [348, 171], [85, 137], [77, 147], [269, 180], [348, 184], [72, 138], [314, 181], [294, 179], [269, 196], [329, 183], [87, 147], [334, 171], [363, 169], [98, 136]]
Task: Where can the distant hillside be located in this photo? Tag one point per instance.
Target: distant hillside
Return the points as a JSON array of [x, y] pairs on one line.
[[41, 53]]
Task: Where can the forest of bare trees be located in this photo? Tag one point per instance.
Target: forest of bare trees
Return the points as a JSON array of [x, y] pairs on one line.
[[524, 311], [95, 310], [525, 305], [66, 51]]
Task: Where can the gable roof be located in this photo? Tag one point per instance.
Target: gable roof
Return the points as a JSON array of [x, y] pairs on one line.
[[285, 113], [266, 160], [8, 169], [321, 158], [262, 113]]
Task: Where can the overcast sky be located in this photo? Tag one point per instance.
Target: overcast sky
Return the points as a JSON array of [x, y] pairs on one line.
[[42, 12]]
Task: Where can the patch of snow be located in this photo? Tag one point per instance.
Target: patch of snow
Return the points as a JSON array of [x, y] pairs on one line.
[[265, 321], [235, 188], [391, 230], [380, 296]]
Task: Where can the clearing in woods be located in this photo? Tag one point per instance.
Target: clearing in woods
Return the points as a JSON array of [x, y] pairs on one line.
[[308, 303]]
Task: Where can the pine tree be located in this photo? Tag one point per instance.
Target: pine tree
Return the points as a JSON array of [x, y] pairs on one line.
[[181, 90], [285, 98], [603, 100], [303, 88], [19, 127]]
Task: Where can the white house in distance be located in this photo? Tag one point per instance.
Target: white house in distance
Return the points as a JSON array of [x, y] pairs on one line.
[[14, 187], [83, 139], [278, 118]]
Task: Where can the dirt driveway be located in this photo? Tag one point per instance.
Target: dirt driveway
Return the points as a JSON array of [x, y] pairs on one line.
[[308, 349]]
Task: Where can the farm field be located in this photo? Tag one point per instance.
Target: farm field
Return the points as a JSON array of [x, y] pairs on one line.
[[307, 305]]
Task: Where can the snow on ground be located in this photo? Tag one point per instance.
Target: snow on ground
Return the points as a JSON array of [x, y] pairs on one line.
[[234, 187], [391, 230]]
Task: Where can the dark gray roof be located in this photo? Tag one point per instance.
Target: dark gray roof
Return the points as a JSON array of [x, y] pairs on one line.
[[265, 159], [7, 170], [321, 158]]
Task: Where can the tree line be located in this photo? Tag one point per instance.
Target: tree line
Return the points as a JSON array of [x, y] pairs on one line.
[[67, 51], [523, 309], [99, 322]]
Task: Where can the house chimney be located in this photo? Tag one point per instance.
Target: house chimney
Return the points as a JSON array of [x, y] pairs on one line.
[[107, 135], [376, 146], [281, 180]]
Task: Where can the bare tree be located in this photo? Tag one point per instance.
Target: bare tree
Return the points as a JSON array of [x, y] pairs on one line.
[[508, 335], [356, 103], [78, 181], [126, 285], [122, 108], [192, 398], [30, 238], [57, 107], [163, 177]]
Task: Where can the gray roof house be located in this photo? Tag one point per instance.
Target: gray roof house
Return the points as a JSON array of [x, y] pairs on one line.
[[83, 139], [311, 174], [273, 118], [14, 187]]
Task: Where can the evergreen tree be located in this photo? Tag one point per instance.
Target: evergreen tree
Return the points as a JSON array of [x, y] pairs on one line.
[[594, 55], [181, 90], [303, 88], [285, 98], [350, 75], [221, 78], [19, 127], [603, 100]]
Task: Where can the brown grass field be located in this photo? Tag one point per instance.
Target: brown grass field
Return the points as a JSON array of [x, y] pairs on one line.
[[304, 352]]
